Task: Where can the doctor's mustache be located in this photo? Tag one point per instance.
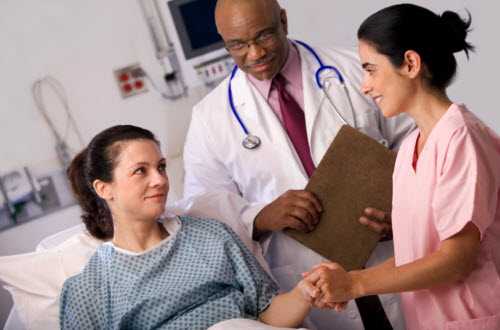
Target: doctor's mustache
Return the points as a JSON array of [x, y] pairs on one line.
[[264, 60]]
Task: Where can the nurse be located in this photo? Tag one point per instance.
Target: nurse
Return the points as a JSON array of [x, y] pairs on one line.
[[259, 192], [446, 210]]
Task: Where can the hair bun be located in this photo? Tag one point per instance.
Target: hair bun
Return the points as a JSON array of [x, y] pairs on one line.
[[455, 32]]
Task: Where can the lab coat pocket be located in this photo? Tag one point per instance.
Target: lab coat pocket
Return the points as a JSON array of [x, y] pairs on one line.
[[286, 276], [483, 323]]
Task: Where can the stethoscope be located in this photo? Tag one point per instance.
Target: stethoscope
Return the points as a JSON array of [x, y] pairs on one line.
[[252, 141]]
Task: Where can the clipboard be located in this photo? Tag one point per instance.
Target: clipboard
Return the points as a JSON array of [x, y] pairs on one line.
[[355, 173]]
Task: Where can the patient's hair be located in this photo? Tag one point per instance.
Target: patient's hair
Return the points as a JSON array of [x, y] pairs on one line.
[[97, 162], [396, 29]]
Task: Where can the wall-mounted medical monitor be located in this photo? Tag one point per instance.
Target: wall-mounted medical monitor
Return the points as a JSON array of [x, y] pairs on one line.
[[195, 24]]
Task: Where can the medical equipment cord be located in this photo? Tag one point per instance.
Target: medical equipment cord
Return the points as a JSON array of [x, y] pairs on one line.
[[62, 148]]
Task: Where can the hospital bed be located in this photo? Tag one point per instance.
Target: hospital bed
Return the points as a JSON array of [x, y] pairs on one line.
[[75, 246], [14, 320]]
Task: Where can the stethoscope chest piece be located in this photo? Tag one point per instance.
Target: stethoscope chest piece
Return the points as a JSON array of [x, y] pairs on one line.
[[251, 142]]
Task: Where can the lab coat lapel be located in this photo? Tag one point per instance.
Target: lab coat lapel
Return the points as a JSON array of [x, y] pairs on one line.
[[312, 94], [261, 120], [313, 97]]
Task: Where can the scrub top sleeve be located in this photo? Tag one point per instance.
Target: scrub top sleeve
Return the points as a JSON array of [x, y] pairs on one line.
[[466, 189], [257, 285]]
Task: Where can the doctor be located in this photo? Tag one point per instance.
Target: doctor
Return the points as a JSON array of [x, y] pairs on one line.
[[254, 141]]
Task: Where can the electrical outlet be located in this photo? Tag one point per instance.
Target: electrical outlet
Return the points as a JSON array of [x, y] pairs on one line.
[[130, 80]]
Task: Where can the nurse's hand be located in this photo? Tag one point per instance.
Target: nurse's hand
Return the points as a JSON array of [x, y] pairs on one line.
[[297, 209], [378, 221], [336, 285]]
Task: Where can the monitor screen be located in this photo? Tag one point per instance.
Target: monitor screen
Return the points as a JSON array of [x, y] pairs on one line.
[[195, 24]]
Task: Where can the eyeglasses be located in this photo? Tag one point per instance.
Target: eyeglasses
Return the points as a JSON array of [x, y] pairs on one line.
[[266, 38]]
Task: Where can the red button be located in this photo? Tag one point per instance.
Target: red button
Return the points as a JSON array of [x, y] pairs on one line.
[[127, 88], [123, 77], [138, 84]]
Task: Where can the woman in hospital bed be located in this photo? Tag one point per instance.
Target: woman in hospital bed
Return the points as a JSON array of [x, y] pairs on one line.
[[154, 271]]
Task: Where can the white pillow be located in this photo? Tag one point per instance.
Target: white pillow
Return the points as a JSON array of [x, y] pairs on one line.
[[35, 279]]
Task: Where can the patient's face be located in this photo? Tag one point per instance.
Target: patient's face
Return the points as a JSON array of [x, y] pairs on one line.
[[140, 184]]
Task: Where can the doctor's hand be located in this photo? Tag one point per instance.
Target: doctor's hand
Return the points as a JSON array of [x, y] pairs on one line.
[[378, 221], [297, 209]]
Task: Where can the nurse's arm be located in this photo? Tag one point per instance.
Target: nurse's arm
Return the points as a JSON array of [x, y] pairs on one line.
[[452, 262]]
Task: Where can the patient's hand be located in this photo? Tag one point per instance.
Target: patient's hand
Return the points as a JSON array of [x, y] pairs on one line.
[[333, 282], [307, 291]]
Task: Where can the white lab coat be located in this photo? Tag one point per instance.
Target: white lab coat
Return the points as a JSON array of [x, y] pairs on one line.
[[225, 181]]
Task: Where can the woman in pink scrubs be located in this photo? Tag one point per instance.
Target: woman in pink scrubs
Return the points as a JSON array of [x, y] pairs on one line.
[[446, 210]]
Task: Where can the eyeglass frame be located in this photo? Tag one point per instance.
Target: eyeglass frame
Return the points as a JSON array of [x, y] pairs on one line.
[[264, 38]]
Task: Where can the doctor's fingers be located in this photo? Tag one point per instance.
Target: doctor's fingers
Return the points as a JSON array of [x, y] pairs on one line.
[[306, 198], [294, 223], [300, 205], [304, 216]]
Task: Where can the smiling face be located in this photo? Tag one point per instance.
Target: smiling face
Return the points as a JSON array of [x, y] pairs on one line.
[[254, 32], [140, 185], [391, 88]]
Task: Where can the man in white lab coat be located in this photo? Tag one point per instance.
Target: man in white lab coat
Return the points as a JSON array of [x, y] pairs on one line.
[[259, 191]]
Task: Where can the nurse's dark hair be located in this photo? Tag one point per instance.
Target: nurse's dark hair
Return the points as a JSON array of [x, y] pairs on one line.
[[97, 162], [396, 29]]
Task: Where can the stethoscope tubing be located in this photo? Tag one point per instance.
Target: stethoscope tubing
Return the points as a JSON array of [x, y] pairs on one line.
[[231, 101], [322, 66]]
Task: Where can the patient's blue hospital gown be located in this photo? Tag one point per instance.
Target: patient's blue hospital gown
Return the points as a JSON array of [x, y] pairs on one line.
[[198, 277]]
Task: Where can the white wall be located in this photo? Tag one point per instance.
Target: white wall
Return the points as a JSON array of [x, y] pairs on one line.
[[79, 43], [336, 22]]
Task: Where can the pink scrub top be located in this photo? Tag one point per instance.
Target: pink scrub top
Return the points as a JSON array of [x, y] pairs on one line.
[[456, 181]]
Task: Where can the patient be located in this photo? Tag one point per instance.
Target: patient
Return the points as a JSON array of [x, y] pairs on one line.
[[154, 271]]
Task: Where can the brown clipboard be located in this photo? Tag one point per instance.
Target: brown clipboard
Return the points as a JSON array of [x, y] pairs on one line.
[[355, 173]]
